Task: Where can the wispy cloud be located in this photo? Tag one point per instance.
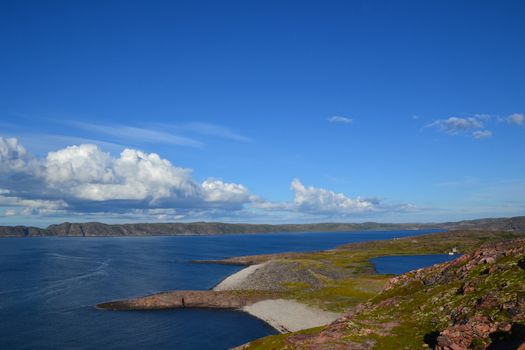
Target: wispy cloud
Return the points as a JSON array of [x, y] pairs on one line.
[[516, 118], [465, 181], [340, 120], [482, 134], [185, 134], [456, 125], [476, 125], [46, 142], [212, 130], [133, 133]]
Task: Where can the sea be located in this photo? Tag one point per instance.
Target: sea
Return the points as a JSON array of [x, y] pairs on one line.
[[49, 286]]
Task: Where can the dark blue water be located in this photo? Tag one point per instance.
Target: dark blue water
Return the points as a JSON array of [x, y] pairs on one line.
[[400, 264], [48, 287]]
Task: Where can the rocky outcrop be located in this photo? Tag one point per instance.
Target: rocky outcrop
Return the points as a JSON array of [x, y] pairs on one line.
[[516, 224]]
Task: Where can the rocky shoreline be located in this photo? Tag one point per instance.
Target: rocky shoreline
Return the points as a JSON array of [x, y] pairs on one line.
[[434, 307], [234, 293], [186, 299]]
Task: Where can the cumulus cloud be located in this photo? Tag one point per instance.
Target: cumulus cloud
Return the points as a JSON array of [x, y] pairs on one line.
[[319, 201], [88, 173], [85, 178], [482, 134], [219, 191], [340, 120], [78, 165], [13, 156]]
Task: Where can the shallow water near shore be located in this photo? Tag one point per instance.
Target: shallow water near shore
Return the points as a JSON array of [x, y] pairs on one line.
[[48, 287]]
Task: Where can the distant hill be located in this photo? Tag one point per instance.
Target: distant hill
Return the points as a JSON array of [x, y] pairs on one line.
[[88, 229]]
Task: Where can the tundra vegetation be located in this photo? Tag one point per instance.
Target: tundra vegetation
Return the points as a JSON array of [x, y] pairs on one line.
[[476, 301], [480, 295]]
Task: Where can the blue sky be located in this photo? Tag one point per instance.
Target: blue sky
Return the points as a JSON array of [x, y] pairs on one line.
[[240, 98]]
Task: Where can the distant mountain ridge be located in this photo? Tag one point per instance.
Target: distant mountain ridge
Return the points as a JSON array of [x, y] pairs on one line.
[[97, 229]]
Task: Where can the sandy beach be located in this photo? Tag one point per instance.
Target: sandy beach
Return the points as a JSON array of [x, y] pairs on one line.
[[283, 315], [290, 315], [233, 282]]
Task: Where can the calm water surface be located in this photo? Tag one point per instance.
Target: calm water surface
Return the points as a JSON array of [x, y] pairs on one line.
[[48, 287]]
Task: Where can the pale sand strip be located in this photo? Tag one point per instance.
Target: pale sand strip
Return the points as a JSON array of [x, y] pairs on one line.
[[283, 315], [233, 281], [289, 315]]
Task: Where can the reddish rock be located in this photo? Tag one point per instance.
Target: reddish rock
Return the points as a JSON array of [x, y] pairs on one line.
[[187, 298]]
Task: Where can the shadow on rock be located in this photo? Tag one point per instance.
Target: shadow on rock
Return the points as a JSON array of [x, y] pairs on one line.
[[512, 339]]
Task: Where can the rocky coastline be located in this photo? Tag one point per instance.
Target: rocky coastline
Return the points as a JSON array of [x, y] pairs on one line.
[[186, 299], [448, 306]]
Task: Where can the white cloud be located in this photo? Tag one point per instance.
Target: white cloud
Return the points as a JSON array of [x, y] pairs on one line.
[[516, 118], [219, 191], [135, 175], [320, 200], [78, 164], [323, 202], [474, 125], [340, 120], [84, 178], [174, 134], [31, 206], [10, 212], [132, 133], [456, 125], [13, 156], [482, 134], [213, 130]]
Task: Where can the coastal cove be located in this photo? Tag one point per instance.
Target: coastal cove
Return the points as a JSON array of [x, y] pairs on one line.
[[50, 284]]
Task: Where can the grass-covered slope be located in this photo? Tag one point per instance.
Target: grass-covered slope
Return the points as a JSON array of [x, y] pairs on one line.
[[474, 302]]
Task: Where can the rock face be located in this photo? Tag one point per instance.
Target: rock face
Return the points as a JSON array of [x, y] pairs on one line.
[[22, 231], [498, 316], [474, 302], [516, 224]]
